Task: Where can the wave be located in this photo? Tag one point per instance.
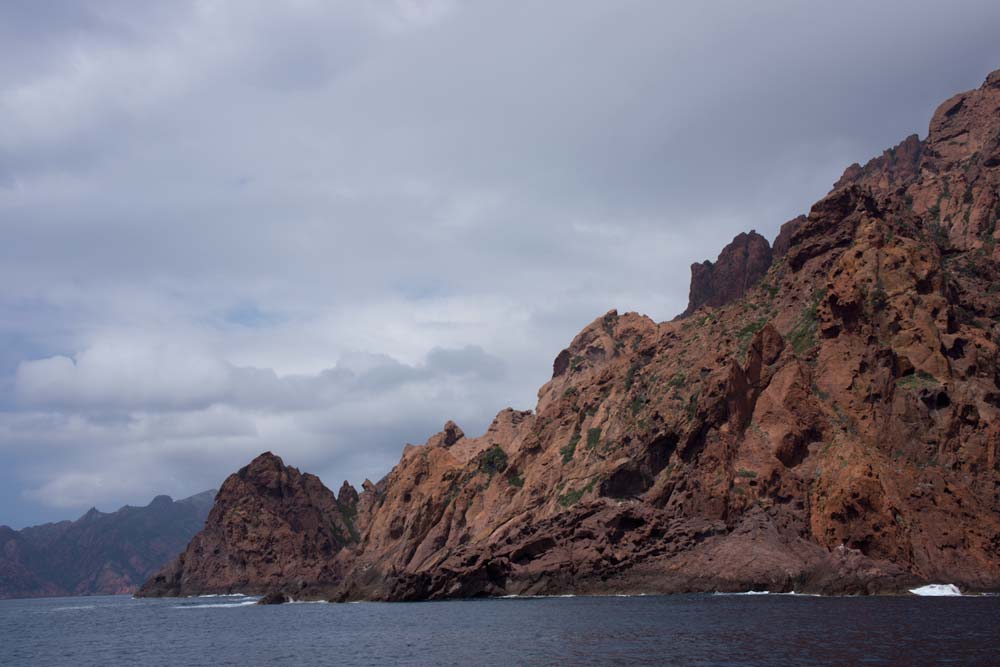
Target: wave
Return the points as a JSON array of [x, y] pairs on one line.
[[789, 593], [221, 605], [937, 590], [76, 608]]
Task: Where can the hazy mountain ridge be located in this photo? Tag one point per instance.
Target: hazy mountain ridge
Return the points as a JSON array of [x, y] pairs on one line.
[[99, 553]]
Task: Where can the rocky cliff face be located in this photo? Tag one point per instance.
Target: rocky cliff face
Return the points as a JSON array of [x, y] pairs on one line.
[[271, 528], [99, 554], [949, 179], [832, 425], [740, 265]]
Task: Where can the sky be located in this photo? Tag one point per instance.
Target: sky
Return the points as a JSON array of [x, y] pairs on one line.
[[324, 228]]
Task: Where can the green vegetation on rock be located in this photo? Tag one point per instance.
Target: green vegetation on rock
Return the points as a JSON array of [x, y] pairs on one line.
[[493, 460], [569, 448], [572, 496], [593, 437], [917, 381]]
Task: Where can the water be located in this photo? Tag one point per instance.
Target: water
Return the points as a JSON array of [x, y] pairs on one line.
[[696, 630]]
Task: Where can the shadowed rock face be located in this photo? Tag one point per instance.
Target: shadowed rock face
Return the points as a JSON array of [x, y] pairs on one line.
[[740, 265], [271, 528], [100, 553], [833, 427], [784, 238]]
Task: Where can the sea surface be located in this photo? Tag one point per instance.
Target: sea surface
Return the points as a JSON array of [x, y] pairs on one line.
[[689, 630]]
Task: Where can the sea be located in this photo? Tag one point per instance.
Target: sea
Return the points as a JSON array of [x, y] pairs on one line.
[[687, 630]]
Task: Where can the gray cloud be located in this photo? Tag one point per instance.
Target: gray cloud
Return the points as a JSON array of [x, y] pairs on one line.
[[325, 228]]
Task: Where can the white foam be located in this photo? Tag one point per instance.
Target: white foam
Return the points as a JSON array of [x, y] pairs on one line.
[[79, 608], [220, 595], [221, 605], [937, 590], [791, 593]]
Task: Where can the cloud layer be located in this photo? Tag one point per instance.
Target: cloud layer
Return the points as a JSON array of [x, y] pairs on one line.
[[325, 228]]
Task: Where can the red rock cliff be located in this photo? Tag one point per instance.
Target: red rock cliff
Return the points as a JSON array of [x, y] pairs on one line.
[[831, 425], [740, 265], [271, 528]]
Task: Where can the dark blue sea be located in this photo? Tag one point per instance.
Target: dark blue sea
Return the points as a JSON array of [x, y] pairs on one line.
[[715, 630]]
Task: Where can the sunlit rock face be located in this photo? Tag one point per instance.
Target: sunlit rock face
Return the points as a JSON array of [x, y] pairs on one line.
[[825, 417]]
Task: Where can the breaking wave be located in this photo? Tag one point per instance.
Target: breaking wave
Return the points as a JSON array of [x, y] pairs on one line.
[[937, 590], [218, 605]]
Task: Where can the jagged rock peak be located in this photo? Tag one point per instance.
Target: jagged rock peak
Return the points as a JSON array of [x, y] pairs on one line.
[[449, 435], [896, 166], [272, 528], [348, 495], [740, 265], [262, 462], [601, 341], [948, 179]]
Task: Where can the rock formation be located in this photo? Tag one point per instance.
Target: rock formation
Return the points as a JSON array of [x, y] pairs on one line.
[[950, 179], [272, 527], [784, 238], [740, 265], [828, 421], [99, 554]]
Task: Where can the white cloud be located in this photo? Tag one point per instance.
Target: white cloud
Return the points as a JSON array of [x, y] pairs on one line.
[[124, 373]]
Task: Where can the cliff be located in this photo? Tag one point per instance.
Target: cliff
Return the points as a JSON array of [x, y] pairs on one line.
[[271, 527], [740, 265], [825, 418]]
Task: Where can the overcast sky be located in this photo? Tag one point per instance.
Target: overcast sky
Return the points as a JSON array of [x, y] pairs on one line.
[[325, 228]]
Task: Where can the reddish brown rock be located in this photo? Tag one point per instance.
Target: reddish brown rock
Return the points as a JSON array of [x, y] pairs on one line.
[[740, 265], [784, 239], [897, 166], [950, 178], [347, 497], [834, 427], [272, 530]]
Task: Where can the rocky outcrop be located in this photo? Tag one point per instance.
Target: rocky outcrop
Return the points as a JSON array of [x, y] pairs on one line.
[[784, 239], [100, 553], [950, 178], [272, 530], [831, 425], [740, 265], [897, 166]]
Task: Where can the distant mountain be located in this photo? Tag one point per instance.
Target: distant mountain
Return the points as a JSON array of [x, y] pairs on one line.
[[99, 553]]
